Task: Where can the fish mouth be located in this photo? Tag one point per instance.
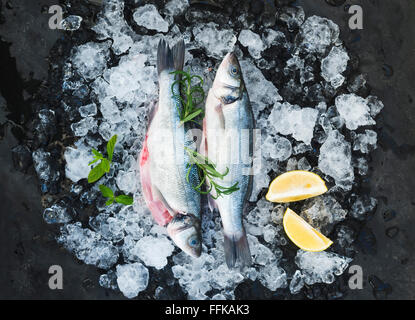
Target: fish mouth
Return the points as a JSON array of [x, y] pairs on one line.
[[231, 57]]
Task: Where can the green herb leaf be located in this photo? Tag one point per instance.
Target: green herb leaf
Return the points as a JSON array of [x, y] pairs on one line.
[[110, 147], [106, 192], [105, 163], [190, 97], [96, 173], [207, 171], [97, 154], [191, 116], [92, 162], [109, 201], [123, 199]]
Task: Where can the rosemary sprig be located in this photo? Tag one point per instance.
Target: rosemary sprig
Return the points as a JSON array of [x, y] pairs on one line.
[[207, 172], [190, 95]]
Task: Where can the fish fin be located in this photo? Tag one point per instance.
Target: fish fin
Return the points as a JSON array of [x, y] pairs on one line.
[[217, 105], [237, 249], [178, 55], [157, 194], [159, 212], [164, 57], [151, 112]]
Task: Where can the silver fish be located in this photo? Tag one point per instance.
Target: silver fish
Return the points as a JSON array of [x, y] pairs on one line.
[[228, 142], [164, 161]]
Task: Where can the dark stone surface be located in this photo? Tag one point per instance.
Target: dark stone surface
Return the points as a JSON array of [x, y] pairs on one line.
[[385, 48]]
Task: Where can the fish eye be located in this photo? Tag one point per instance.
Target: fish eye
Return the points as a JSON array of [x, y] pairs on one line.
[[234, 70], [193, 241]]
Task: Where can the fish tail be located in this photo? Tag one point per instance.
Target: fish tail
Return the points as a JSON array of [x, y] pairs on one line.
[[178, 55], [237, 249], [170, 59]]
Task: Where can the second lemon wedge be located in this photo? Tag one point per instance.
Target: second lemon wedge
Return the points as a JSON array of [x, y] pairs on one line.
[[294, 186], [302, 234]]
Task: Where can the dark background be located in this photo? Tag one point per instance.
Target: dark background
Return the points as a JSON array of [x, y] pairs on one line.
[[386, 48]]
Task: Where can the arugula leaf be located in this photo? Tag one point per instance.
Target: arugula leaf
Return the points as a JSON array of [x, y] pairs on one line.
[[123, 199], [96, 173], [106, 192], [110, 147]]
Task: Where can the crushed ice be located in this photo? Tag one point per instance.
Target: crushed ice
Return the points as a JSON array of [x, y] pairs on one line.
[[290, 133]]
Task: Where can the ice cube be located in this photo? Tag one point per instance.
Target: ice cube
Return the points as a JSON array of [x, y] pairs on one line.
[[77, 160], [320, 267], [261, 180], [111, 24], [88, 110], [90, 59], [334, 65], [127, 181], [303, 164], [292, 120], [362, 207], [269, 233], [365, 142], [108, 280], [176, 7], [58, 213], [261, 91], [154, 251], [88, 246], [207, 35], [297, 282], [323, 213], [292, 16], [218, 296], [277, 214], [277, 148], [354, 110], [108, 227], [317, 34], [132, 279], [273, 277], [253, 42], [270, 37], [345, 236], [375, 105], [335, 160], [148, 17], [82, 127], [361, 165], [71, 23], [292, 164], [46, 171]]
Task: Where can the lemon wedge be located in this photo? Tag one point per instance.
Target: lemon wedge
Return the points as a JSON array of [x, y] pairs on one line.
[[302, 234], [294, 186]]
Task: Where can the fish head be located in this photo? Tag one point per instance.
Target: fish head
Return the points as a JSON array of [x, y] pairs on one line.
[[228, 84], [184, 229]]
